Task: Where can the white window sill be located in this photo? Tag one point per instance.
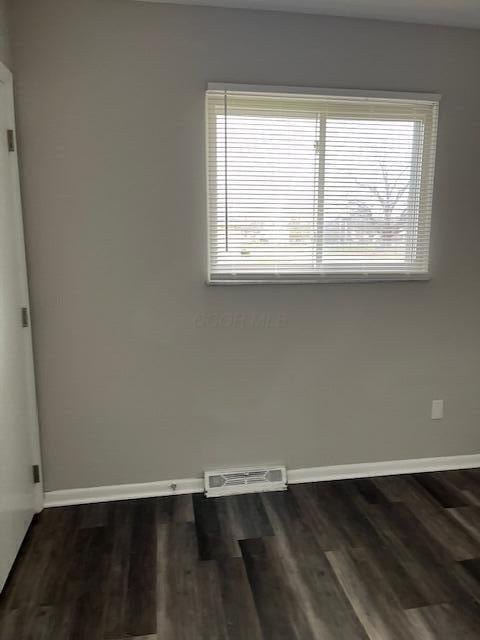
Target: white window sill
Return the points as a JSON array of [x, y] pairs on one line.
[[327, 279]]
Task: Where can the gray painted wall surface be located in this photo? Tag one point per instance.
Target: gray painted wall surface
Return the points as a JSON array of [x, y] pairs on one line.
[[136, 382]]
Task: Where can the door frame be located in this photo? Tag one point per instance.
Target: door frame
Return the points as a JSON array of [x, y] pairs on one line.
[[6, 81]]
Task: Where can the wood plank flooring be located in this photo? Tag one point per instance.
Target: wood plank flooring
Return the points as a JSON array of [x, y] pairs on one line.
[[391, 558]]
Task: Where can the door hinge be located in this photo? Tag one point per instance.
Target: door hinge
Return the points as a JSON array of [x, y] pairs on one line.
[[11, 139], [36, 473], [25, 321]]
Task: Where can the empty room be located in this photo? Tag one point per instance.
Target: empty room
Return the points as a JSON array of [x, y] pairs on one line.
[[239, 320]]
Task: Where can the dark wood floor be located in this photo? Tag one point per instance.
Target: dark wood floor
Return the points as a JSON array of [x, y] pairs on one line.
[[387, 558]]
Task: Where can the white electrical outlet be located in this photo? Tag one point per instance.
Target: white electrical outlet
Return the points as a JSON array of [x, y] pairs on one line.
[[437, 409]]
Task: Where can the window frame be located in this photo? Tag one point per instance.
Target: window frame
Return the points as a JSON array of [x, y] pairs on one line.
[[427, 168]]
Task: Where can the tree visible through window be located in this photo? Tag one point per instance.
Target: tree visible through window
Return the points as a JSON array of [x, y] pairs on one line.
[[310, 187]]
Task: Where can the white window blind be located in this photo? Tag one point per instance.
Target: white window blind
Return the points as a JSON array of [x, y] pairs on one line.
[[311, 187]]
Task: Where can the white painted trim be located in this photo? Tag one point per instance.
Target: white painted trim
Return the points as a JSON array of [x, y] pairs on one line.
[[295, 476], [216, 281], [5, 73], [314, 91], [123, 492], [390, 468], [6, 79]]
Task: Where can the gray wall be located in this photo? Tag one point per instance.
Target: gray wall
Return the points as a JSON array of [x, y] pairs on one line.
[[5, 52], [134, 385]]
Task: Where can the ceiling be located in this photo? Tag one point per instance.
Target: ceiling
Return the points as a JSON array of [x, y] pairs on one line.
[[462, 13]]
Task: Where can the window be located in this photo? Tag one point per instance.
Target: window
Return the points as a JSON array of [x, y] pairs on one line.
[[312, 187]]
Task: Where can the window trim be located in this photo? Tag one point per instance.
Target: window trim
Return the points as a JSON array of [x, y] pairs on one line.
[[302, 278], [252, 278], [325, 93]]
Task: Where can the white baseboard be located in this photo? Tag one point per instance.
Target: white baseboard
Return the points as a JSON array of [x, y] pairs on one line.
[[295, 476], [123, 492], [390, 468]]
